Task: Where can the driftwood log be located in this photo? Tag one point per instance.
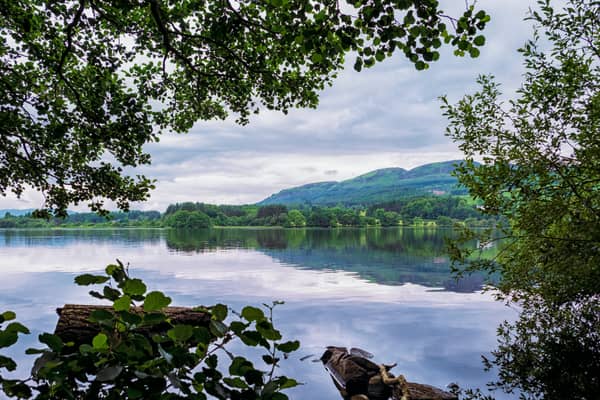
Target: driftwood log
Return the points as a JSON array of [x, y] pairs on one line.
[[358, 378], [74, 325], [419, 391]]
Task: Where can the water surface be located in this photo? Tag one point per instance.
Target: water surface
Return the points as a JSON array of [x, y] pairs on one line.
[[388, 291]]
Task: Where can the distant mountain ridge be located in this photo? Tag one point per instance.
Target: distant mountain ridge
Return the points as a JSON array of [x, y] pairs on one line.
[[17, 212], [374, 187]]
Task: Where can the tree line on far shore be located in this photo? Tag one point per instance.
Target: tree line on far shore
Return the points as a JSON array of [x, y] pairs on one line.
[[419, 211]]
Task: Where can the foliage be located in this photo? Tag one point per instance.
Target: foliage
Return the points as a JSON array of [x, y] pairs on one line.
[[175, 362], [133, 218], [271, 211], [540, 158], [437, 210], [295, 219], [188, 219], [540, 172], [82, 80], [551, 351], [9, 335]]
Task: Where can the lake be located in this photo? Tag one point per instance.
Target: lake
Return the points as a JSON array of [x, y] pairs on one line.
[[386, 290]]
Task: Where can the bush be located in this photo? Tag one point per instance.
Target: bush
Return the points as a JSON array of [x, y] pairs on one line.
[[178, 362]]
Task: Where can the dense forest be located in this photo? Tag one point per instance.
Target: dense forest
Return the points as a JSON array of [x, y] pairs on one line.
[[419, 211]]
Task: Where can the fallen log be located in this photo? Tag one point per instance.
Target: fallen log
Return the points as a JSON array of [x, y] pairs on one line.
[[358, 378], [74, 325]]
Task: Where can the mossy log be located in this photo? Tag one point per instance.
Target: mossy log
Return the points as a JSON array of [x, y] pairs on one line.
[[74, 325]]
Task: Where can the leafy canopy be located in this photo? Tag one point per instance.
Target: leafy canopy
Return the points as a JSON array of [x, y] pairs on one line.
[[85, 84], [540, 158], [540, 171]]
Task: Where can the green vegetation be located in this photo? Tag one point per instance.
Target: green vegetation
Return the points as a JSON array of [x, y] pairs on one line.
[[82, 81], [432, 210], [541, 173], [377, 186], [188, 219], [182, 361], [429, 210], [141, 219]]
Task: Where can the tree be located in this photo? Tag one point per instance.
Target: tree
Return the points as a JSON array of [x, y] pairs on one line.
[[540, 172], [188, 220], [295, 219], [84, 82], [540, 157]]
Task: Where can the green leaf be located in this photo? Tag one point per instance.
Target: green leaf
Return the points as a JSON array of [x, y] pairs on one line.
[[474, 52], [237, 327], [479, 40], [130, 318], [100, 342], [156, 301], [316, 58], [85, 348], [180, 333], [111, 293], [269, 360], [265, 328], [100, 315], [239, 366], [52, 341], [218, 328], [122, 304], [288, 347], [89, 279], [252, 313], [17, 327], [420, 65], [7, 363], [112, 268], [31, 351], [288, 383], [134, 287], [16, 388], [154, 318], [219, 312], [236, 383], [202, 335], [358, 64], [7, 316]]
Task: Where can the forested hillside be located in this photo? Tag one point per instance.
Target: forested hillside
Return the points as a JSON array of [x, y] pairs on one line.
[[377, 186]]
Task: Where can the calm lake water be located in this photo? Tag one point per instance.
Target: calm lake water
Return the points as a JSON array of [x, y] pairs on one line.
[[388, 291]]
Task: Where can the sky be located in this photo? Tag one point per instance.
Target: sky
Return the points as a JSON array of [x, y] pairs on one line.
[[386, 116]]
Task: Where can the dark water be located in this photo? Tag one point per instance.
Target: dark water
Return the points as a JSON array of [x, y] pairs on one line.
[[388, 291]]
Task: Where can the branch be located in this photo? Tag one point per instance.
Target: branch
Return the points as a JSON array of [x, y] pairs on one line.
[[69, 33]]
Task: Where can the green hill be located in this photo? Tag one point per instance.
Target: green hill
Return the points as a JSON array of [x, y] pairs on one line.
[[374, 187]]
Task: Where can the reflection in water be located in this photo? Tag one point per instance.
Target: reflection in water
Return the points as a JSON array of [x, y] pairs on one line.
[[366, 288], [389, 256]]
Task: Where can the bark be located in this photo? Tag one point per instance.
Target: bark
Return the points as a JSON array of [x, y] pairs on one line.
[[74, 326]]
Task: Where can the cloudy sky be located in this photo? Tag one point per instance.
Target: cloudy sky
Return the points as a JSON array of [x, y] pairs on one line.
[[387, 116]]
